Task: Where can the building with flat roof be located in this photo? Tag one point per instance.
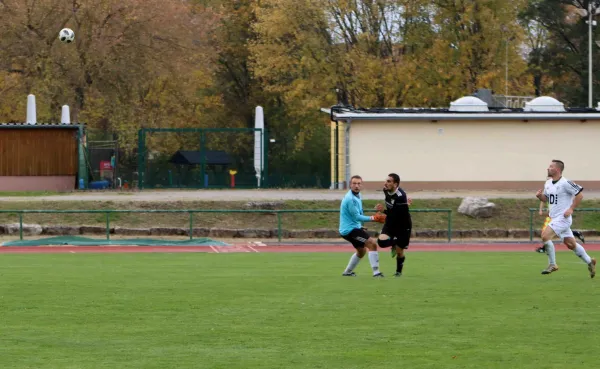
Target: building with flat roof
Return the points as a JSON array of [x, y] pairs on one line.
[[468, 145]]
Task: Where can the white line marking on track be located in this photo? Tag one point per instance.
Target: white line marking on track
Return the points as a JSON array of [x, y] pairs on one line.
[[252, 248], [214, 249]]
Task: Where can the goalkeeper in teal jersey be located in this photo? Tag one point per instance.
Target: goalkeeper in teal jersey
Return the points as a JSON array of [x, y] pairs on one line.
[[351, 229]]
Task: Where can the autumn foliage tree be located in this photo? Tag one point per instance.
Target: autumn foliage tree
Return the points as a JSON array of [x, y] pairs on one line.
[[134, 63], [209, 63]]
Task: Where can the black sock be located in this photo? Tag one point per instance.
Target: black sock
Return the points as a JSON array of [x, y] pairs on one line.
[[400, 264]]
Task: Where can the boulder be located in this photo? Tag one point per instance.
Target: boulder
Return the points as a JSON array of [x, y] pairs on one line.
[[28, 229], [476, 207]]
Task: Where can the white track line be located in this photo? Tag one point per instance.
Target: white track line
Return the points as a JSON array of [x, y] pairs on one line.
[[214, 249], [251, 248]]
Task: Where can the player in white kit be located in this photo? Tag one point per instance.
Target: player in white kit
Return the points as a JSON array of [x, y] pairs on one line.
[[562, 196]]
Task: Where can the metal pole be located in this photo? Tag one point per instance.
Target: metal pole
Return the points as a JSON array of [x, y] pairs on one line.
[[347, 149], [202, 159], [141, 157], [107, 225], [336, 179], [590, 14], [265, 165], [21, 226], [506, 71], [191, 225], [279, 226], [450, 226], [531, 225]]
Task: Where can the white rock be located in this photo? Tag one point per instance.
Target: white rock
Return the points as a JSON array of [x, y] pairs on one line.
[[28, 229], [476, 207]]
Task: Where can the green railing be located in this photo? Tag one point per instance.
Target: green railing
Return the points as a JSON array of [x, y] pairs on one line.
[[535, 210], [192, 212]]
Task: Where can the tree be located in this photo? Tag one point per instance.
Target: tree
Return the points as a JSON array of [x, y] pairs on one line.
[[134, 63], [561, 61]]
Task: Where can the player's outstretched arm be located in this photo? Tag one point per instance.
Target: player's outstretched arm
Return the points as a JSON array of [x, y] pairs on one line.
[[356, 215]]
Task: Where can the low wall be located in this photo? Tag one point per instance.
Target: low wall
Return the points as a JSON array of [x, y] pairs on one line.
[[323, 233], [39, 183]]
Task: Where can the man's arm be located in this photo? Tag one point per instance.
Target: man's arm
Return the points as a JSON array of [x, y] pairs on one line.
[[540, 195], [355, 213], [575, 204], [577, 200], [574, 190]]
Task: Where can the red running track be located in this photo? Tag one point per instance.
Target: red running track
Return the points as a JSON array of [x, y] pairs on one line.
[[254, 247]]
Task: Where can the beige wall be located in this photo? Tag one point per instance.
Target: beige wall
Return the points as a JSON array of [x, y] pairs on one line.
[[46, 183], [486, 151]]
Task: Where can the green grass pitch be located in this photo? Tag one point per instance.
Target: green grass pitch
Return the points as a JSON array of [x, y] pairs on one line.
[[449, 310]]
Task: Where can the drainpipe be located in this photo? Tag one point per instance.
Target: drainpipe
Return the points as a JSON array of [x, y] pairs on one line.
[[347, 138], [336, 153], [336, 165]]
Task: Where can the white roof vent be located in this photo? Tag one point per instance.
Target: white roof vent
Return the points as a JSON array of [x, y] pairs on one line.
[[468, 104], [544, 104]]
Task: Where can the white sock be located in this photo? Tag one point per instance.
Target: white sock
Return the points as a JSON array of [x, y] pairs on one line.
[[354, 260], [551, 252], [374, 260], [580, 251]]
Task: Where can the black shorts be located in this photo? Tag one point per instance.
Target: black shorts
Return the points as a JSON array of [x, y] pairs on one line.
[[400, 235], [357, 237]]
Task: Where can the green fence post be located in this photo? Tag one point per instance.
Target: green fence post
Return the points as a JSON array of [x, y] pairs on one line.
[[530, 224], [107, 225], [191, 225], [141, 157], [202, 159], [279, 226], [21, 226], [449, 225], [265, 160], [82, 169]]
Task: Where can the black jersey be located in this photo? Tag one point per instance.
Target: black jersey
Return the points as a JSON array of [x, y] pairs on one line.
[[396, 204]]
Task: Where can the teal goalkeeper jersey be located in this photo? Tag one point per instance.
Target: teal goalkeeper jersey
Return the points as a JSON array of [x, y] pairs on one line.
[[351, 213]]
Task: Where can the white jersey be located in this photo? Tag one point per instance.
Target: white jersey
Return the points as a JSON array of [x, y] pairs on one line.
[[560, 196]]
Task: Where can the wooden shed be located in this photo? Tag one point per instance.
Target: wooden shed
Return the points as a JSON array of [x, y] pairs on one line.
[[41, 157]]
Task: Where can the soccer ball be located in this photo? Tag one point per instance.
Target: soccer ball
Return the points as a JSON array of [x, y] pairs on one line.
[[66, 35]]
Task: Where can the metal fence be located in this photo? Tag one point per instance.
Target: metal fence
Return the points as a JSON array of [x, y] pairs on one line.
[[191, 213], [201, 157]]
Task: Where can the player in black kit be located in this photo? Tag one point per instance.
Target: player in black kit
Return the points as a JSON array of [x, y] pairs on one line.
[[398, 223]]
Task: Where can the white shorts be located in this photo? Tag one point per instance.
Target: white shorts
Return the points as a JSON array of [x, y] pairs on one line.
[[562, 227]]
